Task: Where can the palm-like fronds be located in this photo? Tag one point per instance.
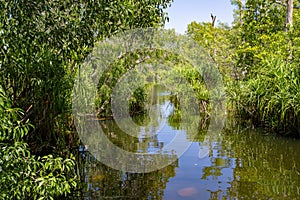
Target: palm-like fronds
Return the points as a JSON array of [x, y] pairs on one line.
[[271, 97]]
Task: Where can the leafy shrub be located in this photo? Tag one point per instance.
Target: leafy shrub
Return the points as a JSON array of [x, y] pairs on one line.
[[23, 175]]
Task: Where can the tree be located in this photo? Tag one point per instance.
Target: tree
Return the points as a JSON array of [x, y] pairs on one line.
[[239, 12], [261, 23], [289, 15], [43, 43], [268, 55], [216, 40], [290, 6], [24, 175]]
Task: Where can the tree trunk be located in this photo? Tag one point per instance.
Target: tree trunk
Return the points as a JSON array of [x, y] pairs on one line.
[[240, 3], [289, 15]]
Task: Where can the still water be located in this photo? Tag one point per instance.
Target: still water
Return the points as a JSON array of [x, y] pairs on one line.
[[236, 163]]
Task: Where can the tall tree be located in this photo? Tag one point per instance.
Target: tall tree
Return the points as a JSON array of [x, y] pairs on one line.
[[289, 15], [261, 21], [290, 6]]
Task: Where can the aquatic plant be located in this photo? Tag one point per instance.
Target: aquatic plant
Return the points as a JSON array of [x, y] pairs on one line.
[[270, 97]]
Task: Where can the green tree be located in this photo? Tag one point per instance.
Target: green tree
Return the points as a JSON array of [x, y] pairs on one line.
[[43, 43], [268, 55], [217, 41], [261, 22]]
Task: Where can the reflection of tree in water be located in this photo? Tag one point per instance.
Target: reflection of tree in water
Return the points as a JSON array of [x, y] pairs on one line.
[[250, 165], [268, 167], [128, 142], [104, 182], [242, 165], [215, 195]]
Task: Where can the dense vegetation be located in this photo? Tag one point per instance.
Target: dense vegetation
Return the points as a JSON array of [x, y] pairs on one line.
[[23, 175], [43, 43], [41, 47], [259, 58]]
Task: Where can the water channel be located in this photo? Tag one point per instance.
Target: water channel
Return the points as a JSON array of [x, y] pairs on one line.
[[238, 163]]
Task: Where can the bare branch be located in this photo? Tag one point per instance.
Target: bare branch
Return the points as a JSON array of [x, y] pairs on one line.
[[213, 18], [27, 114]]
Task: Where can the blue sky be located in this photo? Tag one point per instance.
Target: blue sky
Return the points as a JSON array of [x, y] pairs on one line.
[[182, 12]]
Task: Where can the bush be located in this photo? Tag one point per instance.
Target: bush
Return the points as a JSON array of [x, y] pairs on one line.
[[23, 175]]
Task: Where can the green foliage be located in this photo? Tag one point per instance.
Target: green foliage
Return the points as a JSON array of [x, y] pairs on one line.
[[112, 76], [267, 94], [217, 41], [271, 97], [43, 42], [259, 61], [23, 175], [259, 26]]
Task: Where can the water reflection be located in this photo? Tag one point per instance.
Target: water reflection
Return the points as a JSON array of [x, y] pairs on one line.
[[236, 164], [144, 148], [106, 183]]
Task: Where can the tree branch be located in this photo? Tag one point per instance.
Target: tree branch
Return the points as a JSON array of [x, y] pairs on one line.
[[285, 5], [27, 114]]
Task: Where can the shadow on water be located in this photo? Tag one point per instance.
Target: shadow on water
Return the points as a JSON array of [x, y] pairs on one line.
[[236, 164]]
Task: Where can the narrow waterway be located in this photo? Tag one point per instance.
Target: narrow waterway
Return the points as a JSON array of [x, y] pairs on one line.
[[237, 163]]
